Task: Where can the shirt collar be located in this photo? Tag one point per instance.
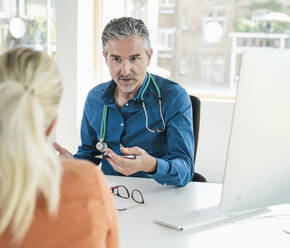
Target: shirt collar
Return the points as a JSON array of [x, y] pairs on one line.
[[142, 87], [108, 96]]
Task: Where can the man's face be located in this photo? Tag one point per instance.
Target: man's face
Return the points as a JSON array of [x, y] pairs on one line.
[[127, 62]]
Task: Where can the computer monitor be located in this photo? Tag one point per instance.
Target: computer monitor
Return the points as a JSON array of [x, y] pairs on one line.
[[257, 170]]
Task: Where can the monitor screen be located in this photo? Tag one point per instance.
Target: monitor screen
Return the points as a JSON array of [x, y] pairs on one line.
[[257, 170]]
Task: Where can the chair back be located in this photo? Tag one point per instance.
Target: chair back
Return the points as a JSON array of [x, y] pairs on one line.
[[195, 102]]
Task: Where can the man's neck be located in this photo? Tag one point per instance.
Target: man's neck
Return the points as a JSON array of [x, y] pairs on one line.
[[121, 98]]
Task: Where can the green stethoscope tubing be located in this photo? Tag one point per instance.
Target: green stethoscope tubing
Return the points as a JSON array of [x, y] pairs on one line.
[[104, 124], [146, 86], [160, 130]]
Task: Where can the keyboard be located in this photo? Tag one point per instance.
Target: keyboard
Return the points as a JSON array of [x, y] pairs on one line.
[[193, 219]]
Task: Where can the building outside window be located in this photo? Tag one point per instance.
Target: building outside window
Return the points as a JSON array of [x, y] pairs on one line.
[[167, 6], [245, 24], [206, 73], [29, 23], [166, 3], [219, 68], [3, 8], [218, 17], [185, 22], [209, 1], [165, 40], [183, 66], [138, 8], [179, 28]]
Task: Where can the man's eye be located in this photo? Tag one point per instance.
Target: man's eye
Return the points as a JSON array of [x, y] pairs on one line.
[[135, 59], [116, 59]]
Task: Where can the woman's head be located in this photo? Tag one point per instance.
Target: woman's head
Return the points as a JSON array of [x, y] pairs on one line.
[[30, 92], [32, 74]]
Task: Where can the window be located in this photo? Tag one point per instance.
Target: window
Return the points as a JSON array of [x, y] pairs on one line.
[[221, 13], [178, 28], [183, 67], [205, 77], [166, 39], [166, 3], [218, 17], [209, 1], [29, 23], [185, 22], [138, 8], [165, 43], [3, 8], [258, 15], [166, 6], [218, 71]]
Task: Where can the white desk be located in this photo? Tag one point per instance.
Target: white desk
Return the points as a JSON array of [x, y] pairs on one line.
[[137, 228]]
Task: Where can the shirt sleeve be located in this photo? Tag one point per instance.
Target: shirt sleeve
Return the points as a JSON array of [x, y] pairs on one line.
[[176, 167], [87, 150]]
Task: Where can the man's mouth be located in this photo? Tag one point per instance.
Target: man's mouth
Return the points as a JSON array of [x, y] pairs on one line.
[[126, 79]]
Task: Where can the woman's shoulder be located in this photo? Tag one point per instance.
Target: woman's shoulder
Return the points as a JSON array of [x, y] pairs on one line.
[[75, 165], [82, 178]]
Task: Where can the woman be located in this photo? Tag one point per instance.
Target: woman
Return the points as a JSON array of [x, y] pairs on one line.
[[44, 202]]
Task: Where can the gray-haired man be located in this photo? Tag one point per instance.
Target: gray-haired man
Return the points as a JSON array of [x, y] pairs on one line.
[[136, 113]]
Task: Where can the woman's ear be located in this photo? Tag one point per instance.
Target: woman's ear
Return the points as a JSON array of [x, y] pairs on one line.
[[50, 127]]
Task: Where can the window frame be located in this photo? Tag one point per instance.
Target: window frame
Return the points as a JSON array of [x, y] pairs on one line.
[[5, 11], [185, 21], [166, 3], [167, 32], [166, 6], [183, 67], [221, 13], [209, 1]]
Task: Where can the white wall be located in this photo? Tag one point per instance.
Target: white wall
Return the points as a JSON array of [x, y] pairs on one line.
[[74, 21], [66, 23], [85, 56], [215, 123]]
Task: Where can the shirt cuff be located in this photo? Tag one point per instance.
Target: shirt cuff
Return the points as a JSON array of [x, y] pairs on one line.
[[89, 158], [162, 168]]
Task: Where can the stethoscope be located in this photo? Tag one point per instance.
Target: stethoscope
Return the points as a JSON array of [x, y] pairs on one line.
[[102, 145]]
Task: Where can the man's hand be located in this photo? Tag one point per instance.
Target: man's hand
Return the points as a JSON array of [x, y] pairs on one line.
[[127, 166], [63, 153]]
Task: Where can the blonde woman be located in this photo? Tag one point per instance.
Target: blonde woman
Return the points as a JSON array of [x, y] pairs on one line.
[[44, 202]]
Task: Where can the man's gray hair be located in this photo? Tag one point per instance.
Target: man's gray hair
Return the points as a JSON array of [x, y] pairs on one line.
[[124, 27]]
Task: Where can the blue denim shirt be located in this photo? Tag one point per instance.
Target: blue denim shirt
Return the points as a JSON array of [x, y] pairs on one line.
[[173, 148]]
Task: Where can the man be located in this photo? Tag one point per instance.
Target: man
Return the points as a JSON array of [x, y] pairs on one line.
[[125, 116]]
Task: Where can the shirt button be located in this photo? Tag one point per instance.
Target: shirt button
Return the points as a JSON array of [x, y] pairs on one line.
[[122, 124], [126, 104]]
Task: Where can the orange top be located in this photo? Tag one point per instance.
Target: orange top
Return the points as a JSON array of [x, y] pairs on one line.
[[86, 216]]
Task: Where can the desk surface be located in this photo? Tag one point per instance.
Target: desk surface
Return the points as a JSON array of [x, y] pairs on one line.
[[137, 227]]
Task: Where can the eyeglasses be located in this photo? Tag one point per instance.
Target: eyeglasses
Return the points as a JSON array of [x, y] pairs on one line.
[[123, 192]]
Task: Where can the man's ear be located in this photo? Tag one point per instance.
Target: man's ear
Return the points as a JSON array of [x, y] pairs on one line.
[[105, 57], [50, 127], [149, 57]]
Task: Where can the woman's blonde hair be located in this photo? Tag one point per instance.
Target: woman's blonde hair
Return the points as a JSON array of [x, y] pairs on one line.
[[30, 91]]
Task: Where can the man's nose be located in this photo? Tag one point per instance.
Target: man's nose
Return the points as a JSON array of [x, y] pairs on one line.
[[125, 68]]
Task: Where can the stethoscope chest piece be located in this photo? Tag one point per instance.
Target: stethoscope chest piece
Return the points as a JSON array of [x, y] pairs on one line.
[[101, 146]]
